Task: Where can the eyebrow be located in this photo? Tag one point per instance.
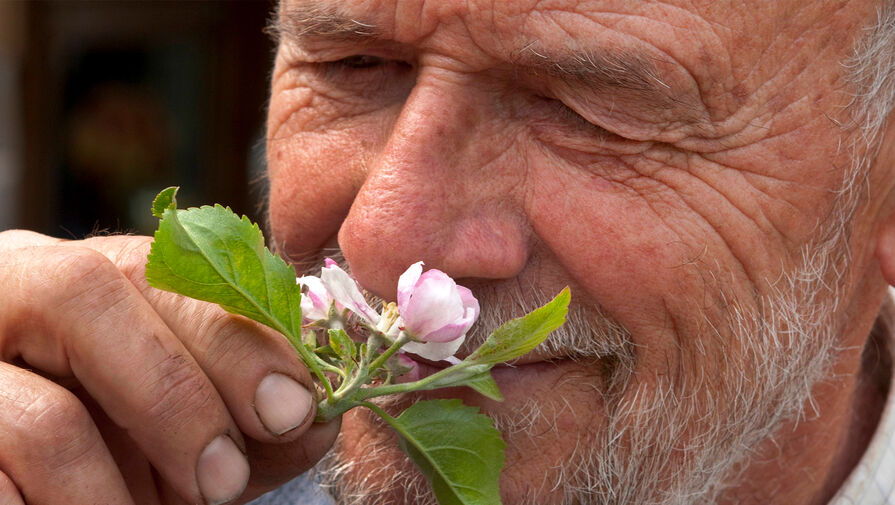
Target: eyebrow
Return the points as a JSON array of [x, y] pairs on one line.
[[597, 70], [308, 19]]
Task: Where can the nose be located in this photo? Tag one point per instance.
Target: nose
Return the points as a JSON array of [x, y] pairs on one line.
[[445, 189]]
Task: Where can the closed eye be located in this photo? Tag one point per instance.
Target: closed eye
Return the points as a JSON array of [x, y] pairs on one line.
[[362, 67]]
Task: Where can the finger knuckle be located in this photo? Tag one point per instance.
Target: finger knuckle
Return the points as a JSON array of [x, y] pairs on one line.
[[21, 238], [85, 268], [129, 253], [87, 283], [224, 340], [176, 393], [54, 282], [222, 335], [55, 427]]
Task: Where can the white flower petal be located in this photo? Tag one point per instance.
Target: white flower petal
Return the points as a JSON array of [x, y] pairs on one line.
[[433, 304], [345, 291], [315, 303], [407, 282], [435, 351]]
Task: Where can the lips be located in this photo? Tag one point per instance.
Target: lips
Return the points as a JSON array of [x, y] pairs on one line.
[[518, 381]]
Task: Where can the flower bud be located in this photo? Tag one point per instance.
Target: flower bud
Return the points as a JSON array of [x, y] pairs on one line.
[[435, 311], [315, 303], [407, 370]]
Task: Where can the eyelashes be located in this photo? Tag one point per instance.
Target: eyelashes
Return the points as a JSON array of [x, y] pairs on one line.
[[572, 123], [359, 61], [363, 69]]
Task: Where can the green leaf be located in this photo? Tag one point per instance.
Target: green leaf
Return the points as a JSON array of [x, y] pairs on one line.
[[485, 385], [457, 449], [164, 200], [521, 335], [211, 254], [342, 344], [477, 377]]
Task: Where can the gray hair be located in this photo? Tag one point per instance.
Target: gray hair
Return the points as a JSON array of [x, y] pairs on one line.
[[871, 73], [790, 346]]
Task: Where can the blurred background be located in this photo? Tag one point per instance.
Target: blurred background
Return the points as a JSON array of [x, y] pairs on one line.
[[105, 103]]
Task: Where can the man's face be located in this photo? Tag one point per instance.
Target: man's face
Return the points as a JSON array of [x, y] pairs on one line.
[[676, 165]]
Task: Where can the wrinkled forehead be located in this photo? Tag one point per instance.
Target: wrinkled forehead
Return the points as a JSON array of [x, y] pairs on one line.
[[718, 48], [512, 28], [411, 21]]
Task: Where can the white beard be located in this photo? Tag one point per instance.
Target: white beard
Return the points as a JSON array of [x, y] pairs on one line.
[[679, 443]]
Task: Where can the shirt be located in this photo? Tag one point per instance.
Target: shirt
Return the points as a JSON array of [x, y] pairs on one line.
[[872, 481]]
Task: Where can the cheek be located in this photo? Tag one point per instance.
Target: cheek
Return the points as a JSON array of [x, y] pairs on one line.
[[315, 171], [634, 251], [313, 179]]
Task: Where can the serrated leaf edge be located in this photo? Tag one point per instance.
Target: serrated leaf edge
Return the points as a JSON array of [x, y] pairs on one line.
[[561, 299]]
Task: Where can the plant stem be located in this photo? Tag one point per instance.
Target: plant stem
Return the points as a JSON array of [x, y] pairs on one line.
[[307, 357], [384, 415], [327, 411], [391, 389], [402, 339]]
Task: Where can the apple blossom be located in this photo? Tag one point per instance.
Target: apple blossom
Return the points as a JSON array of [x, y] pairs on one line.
[[435, 312], [345, 291], [409, 369], [315, 304]]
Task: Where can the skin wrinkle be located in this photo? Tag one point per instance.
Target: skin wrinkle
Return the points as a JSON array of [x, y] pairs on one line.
[[642, 74], [772, 80], [672, 59], [723, 67], [669, 56], [658, 213], [301, 32], [554, 251], [766, 79], [643, 396], [636, 76], [755, 215], [290, 113], [763, 176], [675, 189], [746, 78], [788, 103]]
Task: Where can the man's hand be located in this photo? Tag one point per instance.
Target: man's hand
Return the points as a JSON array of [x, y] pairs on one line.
[[115, 392]]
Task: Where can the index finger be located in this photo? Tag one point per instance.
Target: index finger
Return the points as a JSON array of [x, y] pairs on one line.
[[76, 314], [264, 383]]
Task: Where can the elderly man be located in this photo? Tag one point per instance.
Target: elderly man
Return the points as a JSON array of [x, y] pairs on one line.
[[714, 180]]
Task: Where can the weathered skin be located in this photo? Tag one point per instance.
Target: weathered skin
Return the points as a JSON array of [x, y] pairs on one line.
[[663, 207], [668, 197]]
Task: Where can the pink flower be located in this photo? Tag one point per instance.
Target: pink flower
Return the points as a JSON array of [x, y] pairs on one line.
[[435, 312], [316, 302], [344, 290], [410, 369]]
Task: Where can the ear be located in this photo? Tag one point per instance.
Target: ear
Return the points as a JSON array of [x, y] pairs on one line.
[[885, 249], [885, 235]]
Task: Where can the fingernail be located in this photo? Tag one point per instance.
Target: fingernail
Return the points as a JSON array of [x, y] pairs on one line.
[[222, 472], [282, 403]]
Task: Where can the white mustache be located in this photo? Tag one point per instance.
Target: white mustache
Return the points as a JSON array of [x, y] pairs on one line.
[[589, 334]]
